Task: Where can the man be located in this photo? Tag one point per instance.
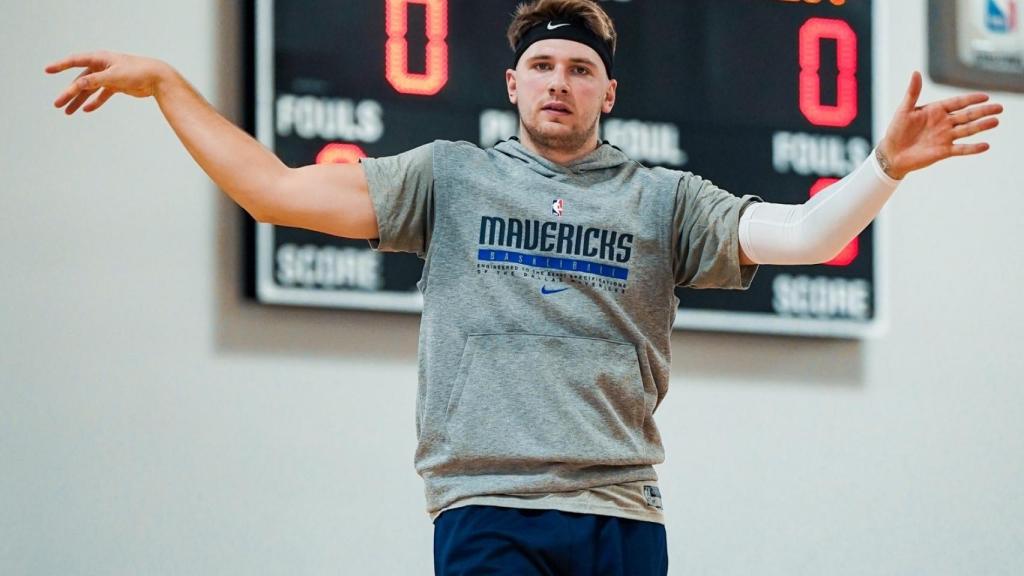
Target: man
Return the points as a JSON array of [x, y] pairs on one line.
[[550, 266]]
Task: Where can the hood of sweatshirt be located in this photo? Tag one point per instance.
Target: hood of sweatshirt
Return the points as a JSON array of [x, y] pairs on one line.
[[604, 157]]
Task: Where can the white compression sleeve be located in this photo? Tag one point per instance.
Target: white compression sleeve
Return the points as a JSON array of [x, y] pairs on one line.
[[815, 231]]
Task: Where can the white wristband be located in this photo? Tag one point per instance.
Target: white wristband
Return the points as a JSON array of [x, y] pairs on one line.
[[817, 230]]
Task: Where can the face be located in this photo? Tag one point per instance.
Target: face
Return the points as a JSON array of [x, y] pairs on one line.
[[560, 88]]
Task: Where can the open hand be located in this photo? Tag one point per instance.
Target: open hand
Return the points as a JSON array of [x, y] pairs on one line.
[[110, 71], [920, 136]]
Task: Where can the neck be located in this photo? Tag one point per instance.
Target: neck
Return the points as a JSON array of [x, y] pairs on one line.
[[561, 156]]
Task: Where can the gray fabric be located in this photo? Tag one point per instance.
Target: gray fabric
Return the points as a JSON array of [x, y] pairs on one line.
[[402, 190], [544, 345]]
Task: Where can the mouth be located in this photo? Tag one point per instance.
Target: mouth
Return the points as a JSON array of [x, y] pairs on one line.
[[557, 108]]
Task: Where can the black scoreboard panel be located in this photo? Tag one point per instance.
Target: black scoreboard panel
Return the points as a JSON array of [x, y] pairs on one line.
[[766, 97]]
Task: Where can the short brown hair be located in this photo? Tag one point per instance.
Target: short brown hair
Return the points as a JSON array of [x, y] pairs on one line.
[[587, 11]]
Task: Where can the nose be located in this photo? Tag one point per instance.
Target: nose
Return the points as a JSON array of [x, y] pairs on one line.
[[558, 81]]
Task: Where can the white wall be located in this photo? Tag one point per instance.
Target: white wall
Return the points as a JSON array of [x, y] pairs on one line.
[[154, 422]]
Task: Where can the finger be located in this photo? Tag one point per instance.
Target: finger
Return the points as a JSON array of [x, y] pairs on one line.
[[961, 102], [972, 114], [968, 149], [94, 81], [74, 61], [78, 101], [62, 65], [99, 100], [965, 130], [913, 92], [90, 83], [71, 91], [983, 111]]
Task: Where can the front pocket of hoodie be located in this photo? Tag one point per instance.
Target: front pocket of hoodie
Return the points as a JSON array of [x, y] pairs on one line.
[[540, 398]]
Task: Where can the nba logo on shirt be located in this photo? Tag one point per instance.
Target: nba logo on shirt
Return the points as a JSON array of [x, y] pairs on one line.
[[1001, 16], [557, 207]]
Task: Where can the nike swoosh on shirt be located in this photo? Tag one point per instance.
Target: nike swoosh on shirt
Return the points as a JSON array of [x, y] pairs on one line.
[[544, 290], [552, 25]]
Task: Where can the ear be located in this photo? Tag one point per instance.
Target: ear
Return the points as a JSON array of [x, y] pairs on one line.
[[510, 83], [609, 97]]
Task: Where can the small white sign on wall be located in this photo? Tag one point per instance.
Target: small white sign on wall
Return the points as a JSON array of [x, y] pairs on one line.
[[977, 43]]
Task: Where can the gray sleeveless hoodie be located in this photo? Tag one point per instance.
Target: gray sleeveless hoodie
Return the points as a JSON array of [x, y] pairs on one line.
[[549, 299]]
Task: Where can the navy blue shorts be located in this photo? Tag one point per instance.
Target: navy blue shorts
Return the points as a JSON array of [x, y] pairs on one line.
[[474, 540]]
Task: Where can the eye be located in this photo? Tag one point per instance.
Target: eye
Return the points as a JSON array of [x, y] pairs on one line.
[[582, 70], [542, 66]]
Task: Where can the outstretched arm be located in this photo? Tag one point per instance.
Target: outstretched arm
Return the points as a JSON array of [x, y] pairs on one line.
[[917, 137], [331, 198]]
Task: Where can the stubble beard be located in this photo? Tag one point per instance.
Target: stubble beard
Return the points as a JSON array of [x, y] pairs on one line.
[[565, 143]]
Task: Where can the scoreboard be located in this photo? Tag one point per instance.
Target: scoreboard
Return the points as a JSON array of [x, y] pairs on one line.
[[765, 97]]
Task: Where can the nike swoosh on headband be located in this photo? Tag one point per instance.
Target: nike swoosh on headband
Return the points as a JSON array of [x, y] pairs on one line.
[[552, 25]]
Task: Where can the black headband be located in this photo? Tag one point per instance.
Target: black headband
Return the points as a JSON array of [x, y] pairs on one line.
[[567, 30]]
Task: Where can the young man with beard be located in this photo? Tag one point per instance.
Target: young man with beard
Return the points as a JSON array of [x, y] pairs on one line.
[[551, 261]]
